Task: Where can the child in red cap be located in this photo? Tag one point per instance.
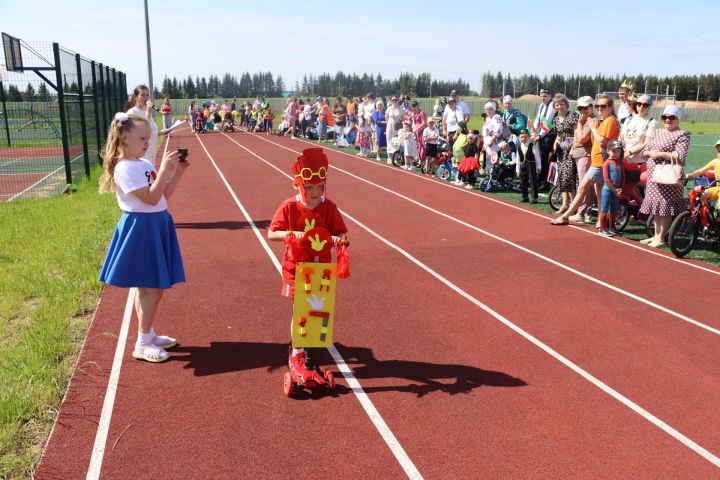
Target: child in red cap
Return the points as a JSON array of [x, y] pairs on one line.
[[308, 209]]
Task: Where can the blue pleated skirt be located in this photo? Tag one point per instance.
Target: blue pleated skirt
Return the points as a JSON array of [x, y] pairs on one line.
[[144, 252]]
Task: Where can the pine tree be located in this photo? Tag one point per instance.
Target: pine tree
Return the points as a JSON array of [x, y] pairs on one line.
[[190, 91], [29, 93], [14, 94], [43, 94]]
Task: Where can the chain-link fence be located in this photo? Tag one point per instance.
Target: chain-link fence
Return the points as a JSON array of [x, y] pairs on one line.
[[54, 107]]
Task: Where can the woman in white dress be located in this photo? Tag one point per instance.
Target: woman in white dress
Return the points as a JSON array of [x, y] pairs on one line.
[[394, 116], [140, 105]]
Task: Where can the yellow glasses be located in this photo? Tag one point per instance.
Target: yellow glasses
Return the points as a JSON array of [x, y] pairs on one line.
[[308, 174]]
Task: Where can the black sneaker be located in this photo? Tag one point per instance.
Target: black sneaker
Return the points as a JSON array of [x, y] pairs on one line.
[[525, 200]]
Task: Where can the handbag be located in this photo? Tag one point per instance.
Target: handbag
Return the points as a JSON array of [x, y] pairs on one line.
[[667, 173]]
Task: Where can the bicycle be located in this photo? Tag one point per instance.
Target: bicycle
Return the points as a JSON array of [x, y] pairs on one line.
[[698, 222]]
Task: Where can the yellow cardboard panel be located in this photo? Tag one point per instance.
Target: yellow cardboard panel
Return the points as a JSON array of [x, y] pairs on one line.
[[314, 304]]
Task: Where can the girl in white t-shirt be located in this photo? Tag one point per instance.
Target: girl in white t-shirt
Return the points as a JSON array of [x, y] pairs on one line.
[[431, 136], [144, 251]]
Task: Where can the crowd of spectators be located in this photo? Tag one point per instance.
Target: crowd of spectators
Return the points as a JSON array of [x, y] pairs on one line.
[[560, 145]]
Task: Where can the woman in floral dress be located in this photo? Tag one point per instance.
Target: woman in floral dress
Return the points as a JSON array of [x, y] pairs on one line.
[[665, 201], [564, 124]]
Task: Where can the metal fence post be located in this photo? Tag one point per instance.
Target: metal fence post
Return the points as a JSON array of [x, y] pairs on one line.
[[4, 107], [97, 112], [108, 93], [83, 120], [61, 108], [116, 91], [101, 91]]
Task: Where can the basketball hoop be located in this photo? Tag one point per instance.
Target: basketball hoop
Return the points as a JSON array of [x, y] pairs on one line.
[[13, 53]]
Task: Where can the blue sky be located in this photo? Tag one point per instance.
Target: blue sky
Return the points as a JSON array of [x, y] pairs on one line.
[[448, 39]]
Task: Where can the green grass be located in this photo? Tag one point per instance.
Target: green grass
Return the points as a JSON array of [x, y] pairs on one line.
[[708, 128], [52, 253]]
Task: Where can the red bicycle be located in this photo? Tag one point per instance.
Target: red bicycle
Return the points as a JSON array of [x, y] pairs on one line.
[[700, 222]]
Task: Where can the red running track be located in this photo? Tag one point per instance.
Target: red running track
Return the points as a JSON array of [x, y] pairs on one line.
[[464, 395]]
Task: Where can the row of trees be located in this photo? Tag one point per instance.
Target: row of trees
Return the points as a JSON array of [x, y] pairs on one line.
[[42, 94], [266, 85], [684, 87], [407, 83], [263, 83]]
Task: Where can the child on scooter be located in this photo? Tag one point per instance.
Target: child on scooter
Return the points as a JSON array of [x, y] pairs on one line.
[[298, 214]]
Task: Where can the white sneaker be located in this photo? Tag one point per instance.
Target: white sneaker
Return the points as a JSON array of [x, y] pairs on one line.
[[459, 183], [469, 187], [587, 218], [576, 218]]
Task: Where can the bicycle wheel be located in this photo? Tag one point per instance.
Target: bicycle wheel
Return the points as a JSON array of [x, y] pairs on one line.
[[682, 234], [650, 226], [443, 172], [555, 198], [398, 159], [622, 216]]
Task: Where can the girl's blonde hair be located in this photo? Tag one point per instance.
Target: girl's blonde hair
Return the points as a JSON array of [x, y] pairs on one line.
[[115, 149]]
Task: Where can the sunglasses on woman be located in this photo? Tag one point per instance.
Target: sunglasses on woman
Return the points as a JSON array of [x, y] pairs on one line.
[[642, 105], [672, 118], [601, 105]]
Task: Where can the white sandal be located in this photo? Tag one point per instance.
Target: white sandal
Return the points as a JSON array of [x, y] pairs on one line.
[[151, 353], [162, 341]]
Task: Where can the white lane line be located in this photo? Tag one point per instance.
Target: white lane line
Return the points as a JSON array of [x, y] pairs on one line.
[[42, 179], [10, 162], [695, 447], [490, 198], [558, 264], [387, 435], [98, 452]]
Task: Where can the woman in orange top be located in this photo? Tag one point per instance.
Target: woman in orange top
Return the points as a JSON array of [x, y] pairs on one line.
[[325, 119], [602, 133]]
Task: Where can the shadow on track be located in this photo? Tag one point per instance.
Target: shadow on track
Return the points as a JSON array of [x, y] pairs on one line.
[[222, 225], [423, 377]]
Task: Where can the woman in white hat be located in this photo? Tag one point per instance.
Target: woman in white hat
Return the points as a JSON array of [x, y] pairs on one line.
[[492, 130], [669, 144]]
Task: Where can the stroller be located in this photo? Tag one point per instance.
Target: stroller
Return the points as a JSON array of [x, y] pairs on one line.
[[199, 122], [500, 178]]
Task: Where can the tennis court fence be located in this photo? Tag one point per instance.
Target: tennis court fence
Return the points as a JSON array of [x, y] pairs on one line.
[[55, 109]]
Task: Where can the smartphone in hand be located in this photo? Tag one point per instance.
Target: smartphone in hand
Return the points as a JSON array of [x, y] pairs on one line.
[[182, 154]]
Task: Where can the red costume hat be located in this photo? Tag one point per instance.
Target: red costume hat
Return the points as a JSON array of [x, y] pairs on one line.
[[310, 167]]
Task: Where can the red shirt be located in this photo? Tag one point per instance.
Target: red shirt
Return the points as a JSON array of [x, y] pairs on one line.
[[288, 216]]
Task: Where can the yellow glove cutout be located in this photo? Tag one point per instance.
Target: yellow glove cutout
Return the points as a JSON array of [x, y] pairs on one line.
[[316, 244], [309, 225]]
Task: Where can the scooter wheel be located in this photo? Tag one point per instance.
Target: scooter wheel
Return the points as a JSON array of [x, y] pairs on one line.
[[330, 379], [288, 385]]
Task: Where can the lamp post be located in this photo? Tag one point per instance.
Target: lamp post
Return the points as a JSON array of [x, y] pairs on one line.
[[149, 56]]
